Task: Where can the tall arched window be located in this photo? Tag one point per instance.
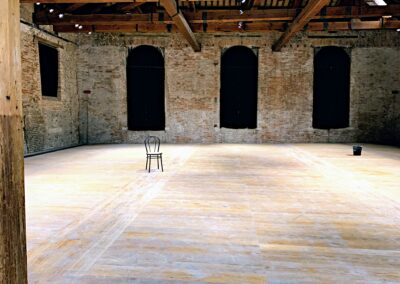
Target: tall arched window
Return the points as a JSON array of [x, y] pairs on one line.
[[239, 76], [145, 83], [331, 105]]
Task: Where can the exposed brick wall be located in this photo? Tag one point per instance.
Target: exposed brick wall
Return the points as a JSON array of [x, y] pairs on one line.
[[285, 88], [26, 10], [49, 123], [378, 93]]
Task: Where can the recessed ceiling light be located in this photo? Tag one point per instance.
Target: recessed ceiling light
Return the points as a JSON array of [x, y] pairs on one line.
[[51, 10], [243, 1], [398, 30], [80, 27], [38, 3], [89, 33], [61, 16], [76, 25]]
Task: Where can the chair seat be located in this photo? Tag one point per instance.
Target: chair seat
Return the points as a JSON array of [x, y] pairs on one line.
[[154, 153]]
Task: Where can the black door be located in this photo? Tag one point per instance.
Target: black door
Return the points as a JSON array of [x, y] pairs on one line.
[[331, 88], [239, 76], [145, 83]]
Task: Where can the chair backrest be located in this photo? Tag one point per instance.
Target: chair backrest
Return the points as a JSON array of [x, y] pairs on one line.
[[152, 144]]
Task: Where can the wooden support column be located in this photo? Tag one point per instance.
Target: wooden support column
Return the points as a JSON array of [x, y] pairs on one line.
[[181, 23], [312, 8], [13, 263]]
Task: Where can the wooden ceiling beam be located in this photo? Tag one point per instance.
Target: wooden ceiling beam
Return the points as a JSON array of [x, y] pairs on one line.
[[100, 19], [232, 27], [179, 20], [97, 1], [310, 10], [73, 7], [99, 7], [297, 4], [129, 7], [217, 17], [86, 1], [157, 28], [353, 25]]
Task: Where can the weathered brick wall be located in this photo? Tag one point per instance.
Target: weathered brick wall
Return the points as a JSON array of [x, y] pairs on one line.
[[49, 123], [285, 88], [26, 11], [378, 94], [105, 107]]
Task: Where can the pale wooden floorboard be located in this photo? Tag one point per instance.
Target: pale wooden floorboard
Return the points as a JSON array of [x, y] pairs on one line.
[[224, 213]]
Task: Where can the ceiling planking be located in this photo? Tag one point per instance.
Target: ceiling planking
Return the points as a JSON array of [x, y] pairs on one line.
[[200, 16]]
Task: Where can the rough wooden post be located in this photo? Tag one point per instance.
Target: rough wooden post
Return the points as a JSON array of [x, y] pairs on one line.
[[12, 199]]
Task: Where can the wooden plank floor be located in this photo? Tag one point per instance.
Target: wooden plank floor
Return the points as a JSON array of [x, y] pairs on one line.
[[302, 213]]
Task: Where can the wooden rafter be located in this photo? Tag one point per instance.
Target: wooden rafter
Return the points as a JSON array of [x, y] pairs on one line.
[[130, 6], [181, 23], [330, 13], [96, 1], [312, 8], [86, 1], [297, 4], [73, 7], [233, 27], [107, 19], [99, 7]]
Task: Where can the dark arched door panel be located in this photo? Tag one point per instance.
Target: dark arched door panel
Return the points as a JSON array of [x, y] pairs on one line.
[[239, 76], [145, 83], [331, 105]]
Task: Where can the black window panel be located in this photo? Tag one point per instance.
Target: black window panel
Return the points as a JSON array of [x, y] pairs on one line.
[[145, 83], [331, 105], [48, 57], [239, 77]]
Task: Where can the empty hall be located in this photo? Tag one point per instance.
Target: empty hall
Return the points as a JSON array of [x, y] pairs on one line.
[[194, 141]]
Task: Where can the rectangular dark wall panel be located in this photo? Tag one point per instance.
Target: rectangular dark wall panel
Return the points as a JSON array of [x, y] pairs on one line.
[[145, 84], [48, 70], [239, 78], [331, 99]]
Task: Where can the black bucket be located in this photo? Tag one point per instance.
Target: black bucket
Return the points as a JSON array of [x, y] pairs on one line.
[[357, 150]]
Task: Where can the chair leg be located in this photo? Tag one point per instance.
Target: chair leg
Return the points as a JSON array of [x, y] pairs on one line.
[[147, 161], [149, 164], [158, 163], [162, 169]]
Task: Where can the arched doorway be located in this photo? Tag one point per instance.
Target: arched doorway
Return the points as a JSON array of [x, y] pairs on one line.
[[331, 104], [145, 84], [239, 76]]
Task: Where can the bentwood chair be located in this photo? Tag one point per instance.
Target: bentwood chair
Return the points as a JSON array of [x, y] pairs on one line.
[[152, 144]]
